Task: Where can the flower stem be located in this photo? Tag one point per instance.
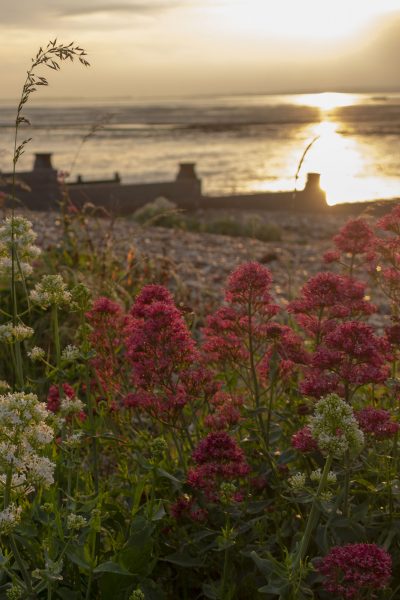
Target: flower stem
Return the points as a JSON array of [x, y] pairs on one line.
[[313, 516]]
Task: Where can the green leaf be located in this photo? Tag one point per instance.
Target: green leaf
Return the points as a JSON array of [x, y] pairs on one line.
[[66, 594], [183, 560], [137, 552], [79, 560], [111, 567]]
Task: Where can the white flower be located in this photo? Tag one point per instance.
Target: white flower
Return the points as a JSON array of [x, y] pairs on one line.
[[16, 232], [74, 440], [36, 353], [71, 406], [41, 470], [335, 428], [76, 522], [10, 333], [9, 518], [51, 291], [317, 474], [24, 434], [297, 481], [40, 434], [4, 386], [70, 353], [326, 496]]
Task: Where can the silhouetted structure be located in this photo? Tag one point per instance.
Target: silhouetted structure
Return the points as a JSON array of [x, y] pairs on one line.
[[42, 191]]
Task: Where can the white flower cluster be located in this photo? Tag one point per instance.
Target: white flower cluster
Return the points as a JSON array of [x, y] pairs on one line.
[[10, 333], [335, 428], [51, 291], [36, 353], [70, 353], [297, 481], [316, 475], [4, 386], [24, 434], [76, 522], [17, 231], [9, 518], [71, 406]]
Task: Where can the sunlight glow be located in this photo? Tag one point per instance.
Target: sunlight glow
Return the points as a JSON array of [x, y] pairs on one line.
[[326, 100], [309, 19], [343, 168]]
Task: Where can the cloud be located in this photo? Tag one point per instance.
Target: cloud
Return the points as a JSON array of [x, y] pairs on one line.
[[28, 14], [126, 7]]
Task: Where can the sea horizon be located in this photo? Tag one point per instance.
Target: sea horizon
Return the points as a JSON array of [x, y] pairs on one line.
[[241, 143]]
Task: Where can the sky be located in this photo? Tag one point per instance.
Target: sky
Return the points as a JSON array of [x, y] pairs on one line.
[[142, 48]]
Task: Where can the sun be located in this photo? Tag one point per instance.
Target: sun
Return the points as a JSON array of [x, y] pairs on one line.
[[309, 20], [326, 100]]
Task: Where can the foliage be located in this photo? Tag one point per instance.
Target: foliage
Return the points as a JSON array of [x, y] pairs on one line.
[[257, 458], [164, 213]]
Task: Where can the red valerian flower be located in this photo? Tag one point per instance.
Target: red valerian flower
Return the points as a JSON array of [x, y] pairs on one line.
[[327, 298], [356, 571], [391, 221], [53, 396], [225, 411], [355, 237], [242, 335], [218, 459], [163, 357], [249, 283], [377, 422], [185, 508], [107, 319], [351, 355], [303, 440]]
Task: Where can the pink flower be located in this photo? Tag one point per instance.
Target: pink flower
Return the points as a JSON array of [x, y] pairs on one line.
[[350, 356], [242, 335], [107, 319], [163, 357], [356, 571], [391, 221], [327, 298], [355, 237], [377, 422], [148, 296], [249, 283], [53, 396], [331, 256], [184, 507], [218, 458], [225, 411], [303, 440]]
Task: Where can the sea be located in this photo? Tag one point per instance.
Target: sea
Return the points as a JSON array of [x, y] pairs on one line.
[[240, 143]]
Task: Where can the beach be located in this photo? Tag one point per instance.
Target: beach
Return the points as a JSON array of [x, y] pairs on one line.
[[198, 264]]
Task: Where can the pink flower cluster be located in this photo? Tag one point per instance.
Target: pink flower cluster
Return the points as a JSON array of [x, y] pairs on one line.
[[303, 440], [53, 396], [356, 571], [225, 411], [162, 355], [351, 355], [218, 459], [107, 320], [377, 422], [325, 300], [185, 508], [243, 330]]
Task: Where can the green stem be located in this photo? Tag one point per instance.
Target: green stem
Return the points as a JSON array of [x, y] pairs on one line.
[[182, 459], [12, 542], [56, 333], [346, 495], [313, 516]]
